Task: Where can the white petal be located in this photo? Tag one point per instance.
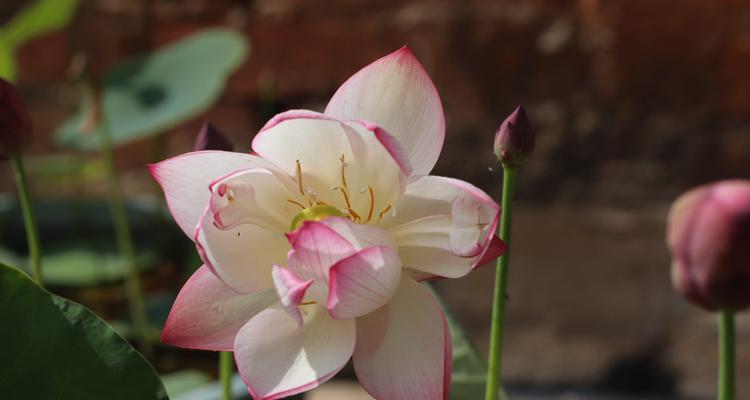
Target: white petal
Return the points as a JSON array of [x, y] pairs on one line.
[[396, 93], [403, 350], [443, 226], [207, 314], [276, 358], [363, 282], [185, 181], [359, 235], [241, 257]]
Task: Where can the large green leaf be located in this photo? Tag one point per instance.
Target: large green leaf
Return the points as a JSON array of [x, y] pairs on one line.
[[148, 96], [56, 349]]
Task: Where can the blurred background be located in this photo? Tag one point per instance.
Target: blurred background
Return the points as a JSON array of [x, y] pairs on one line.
[[633, 102]]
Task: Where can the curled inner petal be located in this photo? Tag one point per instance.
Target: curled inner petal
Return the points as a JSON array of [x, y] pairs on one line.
[[468, 228], [257, 196], [291, 289]]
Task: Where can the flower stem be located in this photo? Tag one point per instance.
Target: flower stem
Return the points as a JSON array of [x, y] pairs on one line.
[[726, 355], [124, 239], [29, 219], [501, 284], [226, 367]]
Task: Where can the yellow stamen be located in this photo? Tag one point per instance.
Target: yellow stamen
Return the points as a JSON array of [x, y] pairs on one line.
[[299, 178], [354, 214], [372, 204], [296, 203], [384, 211], [307, 303], [346, 196], [343, 172]]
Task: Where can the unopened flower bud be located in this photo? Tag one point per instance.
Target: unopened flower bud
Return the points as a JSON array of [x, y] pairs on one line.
[[708, 234], [210, 138], [514, 140], [15, 125]]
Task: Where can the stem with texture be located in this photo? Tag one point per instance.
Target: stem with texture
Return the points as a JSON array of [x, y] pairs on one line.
[[29, 219], [493, 389]]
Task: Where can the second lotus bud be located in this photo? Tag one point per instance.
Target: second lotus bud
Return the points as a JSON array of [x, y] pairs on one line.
[[708, 233], [515, 139]]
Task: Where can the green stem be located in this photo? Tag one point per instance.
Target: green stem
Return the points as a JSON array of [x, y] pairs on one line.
[[124, 239], [29, 219], [726, 355], [501, 284], [226, 367]]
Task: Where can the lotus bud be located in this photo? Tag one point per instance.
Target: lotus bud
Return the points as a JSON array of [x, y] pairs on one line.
[[708, 234], [210, 138], [514, 140], [15, 124]]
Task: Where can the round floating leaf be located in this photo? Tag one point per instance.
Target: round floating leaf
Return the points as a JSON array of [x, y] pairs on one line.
[[148, 96], [54, 348]]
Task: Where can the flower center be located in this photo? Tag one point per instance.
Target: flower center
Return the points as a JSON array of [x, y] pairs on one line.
[[318, 209], [315, 213]]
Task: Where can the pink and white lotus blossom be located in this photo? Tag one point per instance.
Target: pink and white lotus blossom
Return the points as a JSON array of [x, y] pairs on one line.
[[315, 244]]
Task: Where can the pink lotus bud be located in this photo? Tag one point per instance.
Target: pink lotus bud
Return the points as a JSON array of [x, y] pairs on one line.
[[514, 140], [210, 138], [708, 233], [15, 125]]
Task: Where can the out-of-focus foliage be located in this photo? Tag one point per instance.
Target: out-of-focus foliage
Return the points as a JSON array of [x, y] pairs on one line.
[[182, 382], [147, 96], [79, 249], [40, 17], [469, 371], [55, 348]]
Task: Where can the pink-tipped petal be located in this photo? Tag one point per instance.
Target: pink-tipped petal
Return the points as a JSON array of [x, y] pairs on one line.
[[443, 226], [496, 248], [277, 359], [396, 93], [403, 350], [310, 142], [392, 145], [343, 164], [315, 249], [185, 181], [207, 314], [363, 282], [291, 290]]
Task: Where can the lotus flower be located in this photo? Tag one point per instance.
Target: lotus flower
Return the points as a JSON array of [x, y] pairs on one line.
[[316, 243]]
